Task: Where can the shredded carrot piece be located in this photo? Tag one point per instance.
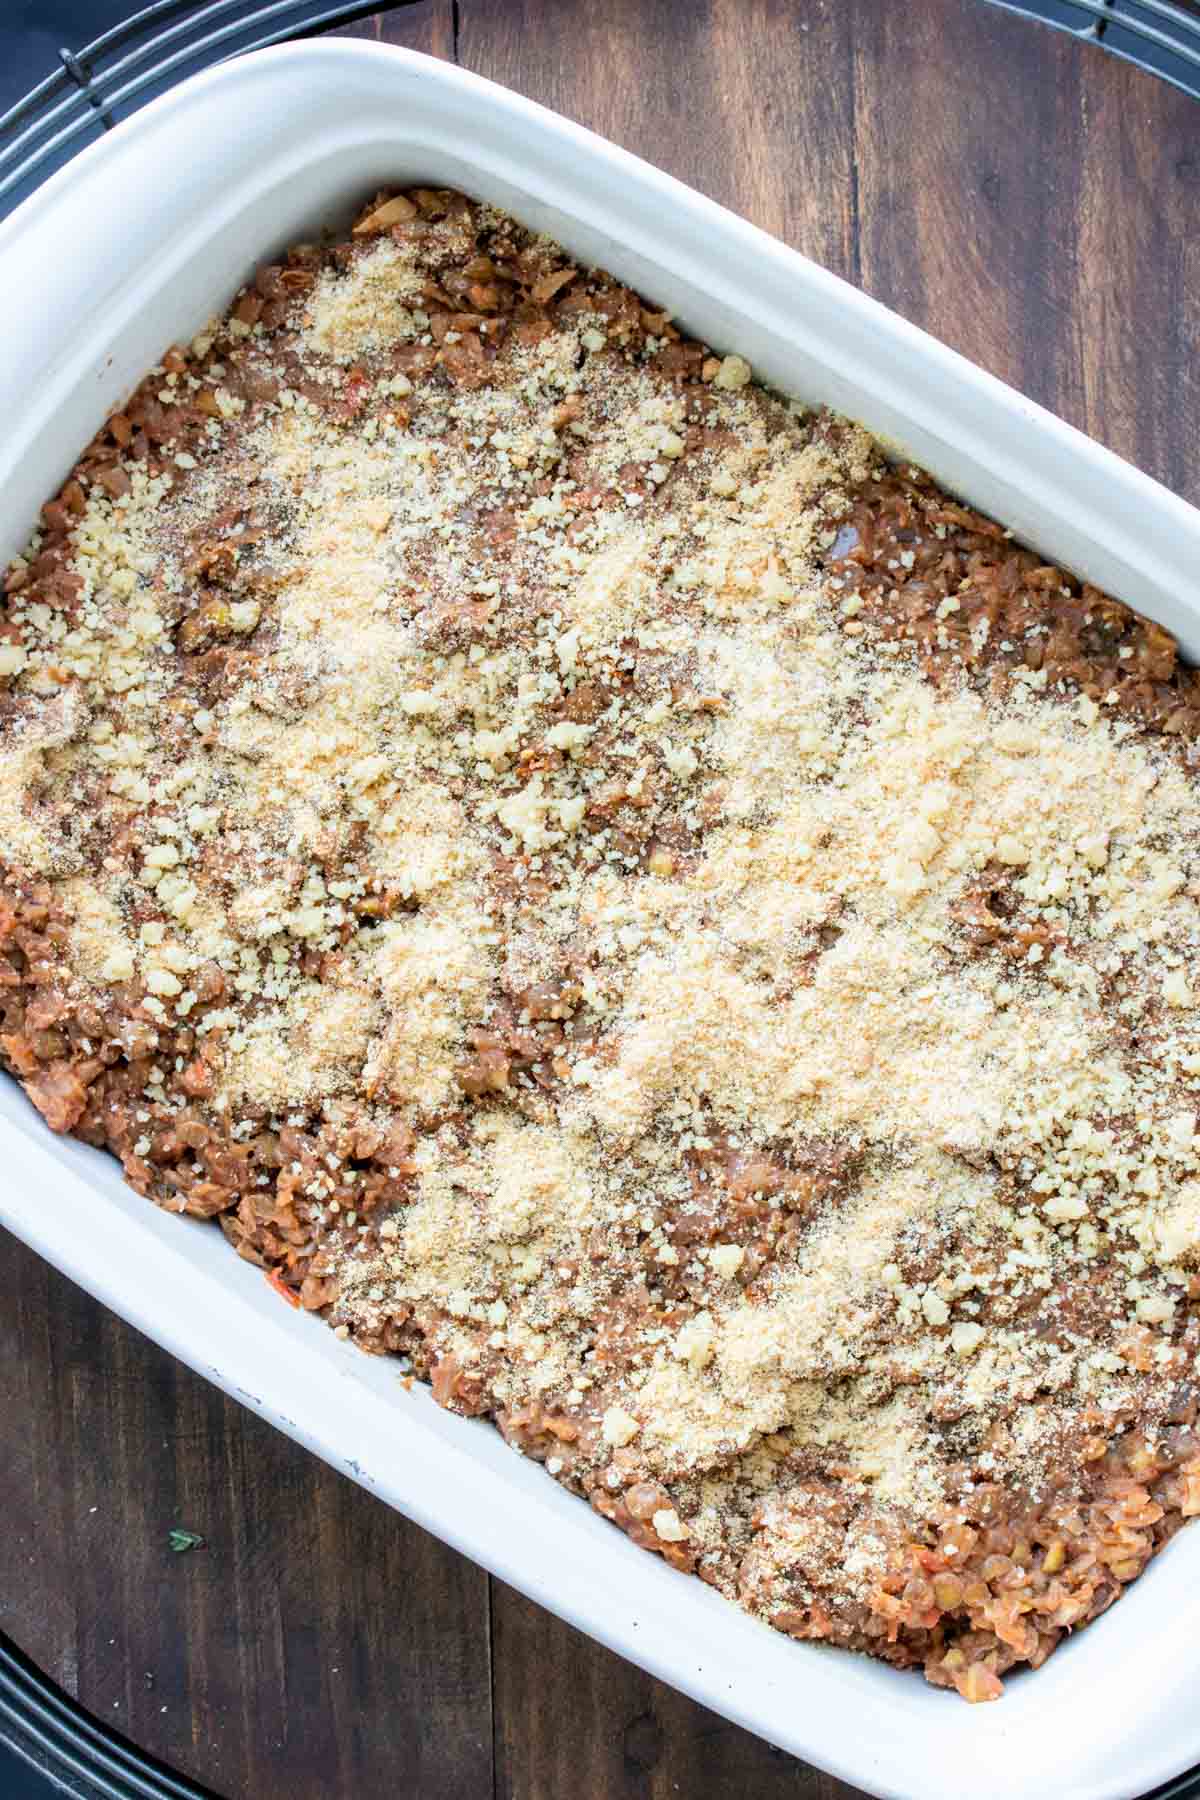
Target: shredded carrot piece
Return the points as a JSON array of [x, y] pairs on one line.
[[281, 1287]]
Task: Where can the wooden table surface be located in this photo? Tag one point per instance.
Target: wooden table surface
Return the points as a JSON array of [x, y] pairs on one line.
[[1037, 205]]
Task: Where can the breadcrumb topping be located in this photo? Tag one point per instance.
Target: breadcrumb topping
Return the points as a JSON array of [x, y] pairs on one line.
[[507, 849]]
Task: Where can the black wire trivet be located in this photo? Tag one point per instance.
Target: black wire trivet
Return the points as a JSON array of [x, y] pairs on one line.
[[90, 91], [1157, 35], [50, 1737], [96, 86]]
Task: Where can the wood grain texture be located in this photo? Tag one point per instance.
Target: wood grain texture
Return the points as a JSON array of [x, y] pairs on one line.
[[747, 100], [1037, 205], [427, 25], [575, 1722], [315, 1646]]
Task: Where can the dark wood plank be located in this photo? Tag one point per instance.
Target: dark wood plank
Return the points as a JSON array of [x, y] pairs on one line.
[[573, 1719], [747, 100], [1139, 249], [1037, 205], [427, 25], [967, 200], [317, 1646]]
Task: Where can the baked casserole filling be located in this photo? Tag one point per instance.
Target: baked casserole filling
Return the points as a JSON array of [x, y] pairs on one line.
[[610, 889]]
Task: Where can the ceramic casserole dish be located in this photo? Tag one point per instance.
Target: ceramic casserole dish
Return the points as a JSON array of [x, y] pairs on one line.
[[135, 244]]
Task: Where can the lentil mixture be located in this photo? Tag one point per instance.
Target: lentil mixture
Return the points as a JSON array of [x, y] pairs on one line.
[[607, 889]]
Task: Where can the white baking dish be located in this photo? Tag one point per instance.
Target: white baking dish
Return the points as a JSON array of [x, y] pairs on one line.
[[135, 244]]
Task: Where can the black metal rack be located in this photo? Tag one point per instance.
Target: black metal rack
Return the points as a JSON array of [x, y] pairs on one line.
[[54, 1748], [1157, 35], [97, 85], [89, 92]]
